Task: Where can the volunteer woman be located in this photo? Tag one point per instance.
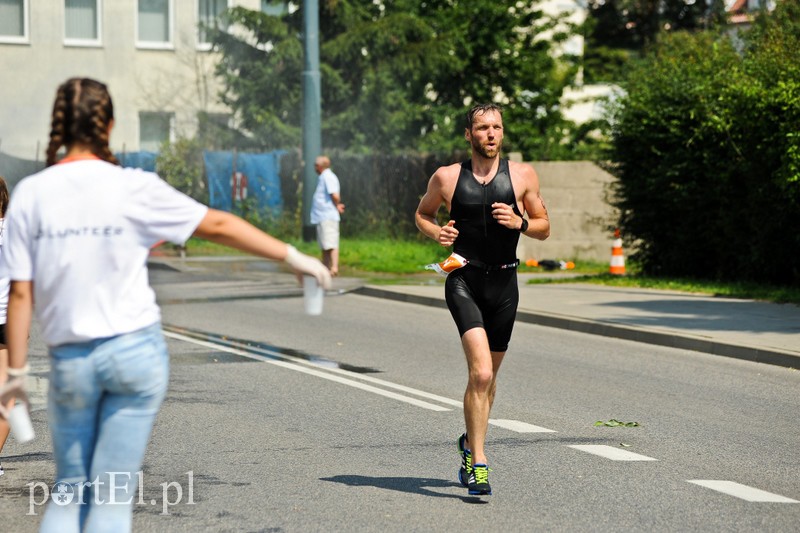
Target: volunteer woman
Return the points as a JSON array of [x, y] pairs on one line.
[[78, 237]]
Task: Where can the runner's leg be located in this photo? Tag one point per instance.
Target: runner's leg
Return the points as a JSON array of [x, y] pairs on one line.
[[483, 366]]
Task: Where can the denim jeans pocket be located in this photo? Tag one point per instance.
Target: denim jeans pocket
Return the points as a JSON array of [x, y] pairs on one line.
[[139, 363]]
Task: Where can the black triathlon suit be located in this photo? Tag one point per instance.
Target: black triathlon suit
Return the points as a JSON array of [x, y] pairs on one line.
[[484, 293]]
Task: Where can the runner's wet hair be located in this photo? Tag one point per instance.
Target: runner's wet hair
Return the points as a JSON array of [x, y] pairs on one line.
[[82, 114], [480, 109]]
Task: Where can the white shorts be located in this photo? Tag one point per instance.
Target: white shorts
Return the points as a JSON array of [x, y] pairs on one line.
[[328, 234]]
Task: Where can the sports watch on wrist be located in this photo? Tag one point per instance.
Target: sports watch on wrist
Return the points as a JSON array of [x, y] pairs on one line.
[[524, 227]]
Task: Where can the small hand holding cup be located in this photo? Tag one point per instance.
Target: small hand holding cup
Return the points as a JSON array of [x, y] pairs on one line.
[[316, 278], [18, 416]]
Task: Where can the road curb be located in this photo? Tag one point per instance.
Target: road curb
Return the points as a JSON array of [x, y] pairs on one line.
[[618, 331]]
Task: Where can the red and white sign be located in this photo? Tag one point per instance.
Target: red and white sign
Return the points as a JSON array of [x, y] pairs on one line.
[[238, 186]]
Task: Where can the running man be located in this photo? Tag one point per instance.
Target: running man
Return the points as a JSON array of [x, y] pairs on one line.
[[486, 197]]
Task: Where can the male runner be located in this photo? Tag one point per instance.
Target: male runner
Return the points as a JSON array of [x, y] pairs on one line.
[[486, 197]]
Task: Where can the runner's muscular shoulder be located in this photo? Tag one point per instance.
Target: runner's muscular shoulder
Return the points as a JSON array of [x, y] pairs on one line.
[[524, 178], [526, 189], [442, 184]]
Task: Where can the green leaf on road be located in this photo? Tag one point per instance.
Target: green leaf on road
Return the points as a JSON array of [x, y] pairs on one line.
[[616, 423]]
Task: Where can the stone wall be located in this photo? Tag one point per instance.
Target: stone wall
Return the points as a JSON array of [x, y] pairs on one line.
[[581, 218]]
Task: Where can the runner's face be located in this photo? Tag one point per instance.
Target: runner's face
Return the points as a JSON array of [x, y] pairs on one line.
[[486, 135]]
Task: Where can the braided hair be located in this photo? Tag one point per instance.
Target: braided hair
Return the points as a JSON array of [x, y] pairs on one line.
[[82, 114], [3, 197]]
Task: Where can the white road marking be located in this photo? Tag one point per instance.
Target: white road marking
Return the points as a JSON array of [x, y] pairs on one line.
[[744, 492], [348, 373], [609, 452], [519, 427], [310, 371]]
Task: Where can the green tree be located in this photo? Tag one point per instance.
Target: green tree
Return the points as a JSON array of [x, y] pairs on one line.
[[708, 157], [399, 75], [260, 68]]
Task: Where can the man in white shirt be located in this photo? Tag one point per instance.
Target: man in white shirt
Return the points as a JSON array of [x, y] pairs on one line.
[[326, 209]]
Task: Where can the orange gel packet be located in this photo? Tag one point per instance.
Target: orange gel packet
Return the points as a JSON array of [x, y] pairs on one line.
[[454, 262]]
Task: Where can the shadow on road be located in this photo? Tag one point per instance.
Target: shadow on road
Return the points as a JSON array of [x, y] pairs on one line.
[[414, 485]]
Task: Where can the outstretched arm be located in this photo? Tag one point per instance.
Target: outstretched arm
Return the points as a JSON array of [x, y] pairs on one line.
[[224, 228]]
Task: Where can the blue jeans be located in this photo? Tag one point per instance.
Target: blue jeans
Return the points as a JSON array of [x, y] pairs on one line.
[[103, 399]]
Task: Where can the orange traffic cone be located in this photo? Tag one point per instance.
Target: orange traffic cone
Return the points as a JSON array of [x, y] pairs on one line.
[[617, 266]]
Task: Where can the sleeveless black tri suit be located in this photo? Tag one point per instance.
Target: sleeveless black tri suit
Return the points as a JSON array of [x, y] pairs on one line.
[[484, 293]]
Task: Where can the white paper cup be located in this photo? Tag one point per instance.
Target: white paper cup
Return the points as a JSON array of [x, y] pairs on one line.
[[312, 295], [20, 422]]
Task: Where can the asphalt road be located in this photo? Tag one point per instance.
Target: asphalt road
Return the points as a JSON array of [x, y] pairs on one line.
[[276, 421]]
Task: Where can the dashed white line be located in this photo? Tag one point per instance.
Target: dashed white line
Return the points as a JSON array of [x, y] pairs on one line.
[[730, 488], [743, 492], [609, 452], [519, 427]]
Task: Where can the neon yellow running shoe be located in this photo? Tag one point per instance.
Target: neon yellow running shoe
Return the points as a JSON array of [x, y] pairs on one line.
[[479, 481]]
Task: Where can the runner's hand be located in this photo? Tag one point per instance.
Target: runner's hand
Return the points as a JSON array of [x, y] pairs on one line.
[[305, 264], [448, 234], [504, 215]]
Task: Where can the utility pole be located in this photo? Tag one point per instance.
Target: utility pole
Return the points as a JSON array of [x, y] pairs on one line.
[[312, 129]]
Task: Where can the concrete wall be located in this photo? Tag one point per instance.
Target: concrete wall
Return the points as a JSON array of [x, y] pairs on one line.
[[575, 193]]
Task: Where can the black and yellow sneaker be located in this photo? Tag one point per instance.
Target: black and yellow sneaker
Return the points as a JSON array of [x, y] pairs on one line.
[[478, 484], [466, 460]]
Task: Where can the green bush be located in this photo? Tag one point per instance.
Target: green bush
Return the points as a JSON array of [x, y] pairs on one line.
[[707, 151], [181, 165]]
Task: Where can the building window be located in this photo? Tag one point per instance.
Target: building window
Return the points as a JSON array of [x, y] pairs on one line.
[[275, 8], [154, 24], [154, 129], [81, 22], [14, 21], [208, 16]]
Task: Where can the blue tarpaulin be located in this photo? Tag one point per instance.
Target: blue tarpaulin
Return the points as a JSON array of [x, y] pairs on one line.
[[233, 177], [143, 160]]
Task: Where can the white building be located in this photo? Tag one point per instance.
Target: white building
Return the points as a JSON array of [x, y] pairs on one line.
[[579, 103], [151, 53]]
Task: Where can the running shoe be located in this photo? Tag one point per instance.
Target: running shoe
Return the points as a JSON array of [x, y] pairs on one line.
[[466, 461], [479, 481]]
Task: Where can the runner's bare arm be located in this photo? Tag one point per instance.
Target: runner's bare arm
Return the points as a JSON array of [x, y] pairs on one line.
[[532, 201], [435, 196]]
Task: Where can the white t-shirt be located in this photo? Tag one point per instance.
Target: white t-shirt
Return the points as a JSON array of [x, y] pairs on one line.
[[82, 232], [322, 206], [4, 281]]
